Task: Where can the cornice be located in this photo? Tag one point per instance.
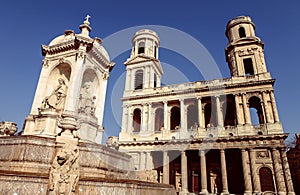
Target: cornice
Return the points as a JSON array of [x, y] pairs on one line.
[[246, 141], [193, 89], [101, 59]]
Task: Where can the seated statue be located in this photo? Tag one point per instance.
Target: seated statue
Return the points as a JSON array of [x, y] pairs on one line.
[[56, 99]]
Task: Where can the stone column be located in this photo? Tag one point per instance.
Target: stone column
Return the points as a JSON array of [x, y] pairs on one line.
[[142, 161], [219, 112], [278, 172], [132, 80], [184, 174], [124, 118], [224, 172], [130, 120], [203, 172], [144, 118], [151, 78], [182, 115], [246, 172], [274, 107], [166, 115], [238, 111], [200, 122], [287, 173], [255, 177], [128, 79], [150, 119], [73, 91], [246, 110], [166, 168], [148, 161], [147, 77], [266, 107]]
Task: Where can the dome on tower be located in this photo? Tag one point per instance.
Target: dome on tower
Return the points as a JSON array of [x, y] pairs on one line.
[[239, 20], [146, 33]]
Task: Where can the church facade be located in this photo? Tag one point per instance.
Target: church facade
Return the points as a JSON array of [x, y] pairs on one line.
[[201, 137]]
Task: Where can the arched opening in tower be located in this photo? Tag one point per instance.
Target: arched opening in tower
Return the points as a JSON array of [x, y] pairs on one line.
[[192, 117], [136, 120], [175, 118], [159, 119], [138, 83], [242, 32], [256, 112]]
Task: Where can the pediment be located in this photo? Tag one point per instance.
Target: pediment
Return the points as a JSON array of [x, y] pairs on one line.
[[139, 59]]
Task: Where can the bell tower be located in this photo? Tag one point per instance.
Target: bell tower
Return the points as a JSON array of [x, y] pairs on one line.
[[245, 51], [143, 69], [70, 95]]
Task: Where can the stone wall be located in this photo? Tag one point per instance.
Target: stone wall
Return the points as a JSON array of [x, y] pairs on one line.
[[28, 165]]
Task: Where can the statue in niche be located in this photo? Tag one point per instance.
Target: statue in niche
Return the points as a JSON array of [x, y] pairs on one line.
[[64, 174], [215, 182], [56, 99], [86, 102]]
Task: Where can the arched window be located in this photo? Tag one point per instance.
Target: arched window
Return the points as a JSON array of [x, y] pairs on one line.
[[266, 179], [138, 83], [175, 118], [141, 48], [192, 117], [242, 32], [229, 114], [208, 116], [256, 112], [159, 119], [155, 80], [136, 120], [248, 66]]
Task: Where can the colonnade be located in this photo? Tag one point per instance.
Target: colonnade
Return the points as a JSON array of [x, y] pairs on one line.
[[252, 184], [240, 101]]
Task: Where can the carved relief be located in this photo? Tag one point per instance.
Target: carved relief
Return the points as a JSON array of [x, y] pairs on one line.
[[80, 55], [64, 173], [249, 51], [45, 63], [105, 75], [262, 154], [146, 175], [56, 100]]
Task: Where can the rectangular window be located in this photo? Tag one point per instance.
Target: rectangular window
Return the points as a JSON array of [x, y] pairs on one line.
[[248, 66]]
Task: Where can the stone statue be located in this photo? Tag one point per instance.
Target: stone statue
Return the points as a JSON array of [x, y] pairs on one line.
[[86, 102], [64, 174], [8, 128], [56, 99], [112, 142]]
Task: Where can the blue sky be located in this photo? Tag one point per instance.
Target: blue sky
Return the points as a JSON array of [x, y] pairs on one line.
[[25, 25]]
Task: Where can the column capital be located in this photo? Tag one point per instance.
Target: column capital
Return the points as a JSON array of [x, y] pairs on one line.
[[165, 101], [199, 98], [201, 152], [181, 99]]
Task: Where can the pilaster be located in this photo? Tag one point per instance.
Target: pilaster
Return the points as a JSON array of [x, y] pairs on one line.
[[278, 172]]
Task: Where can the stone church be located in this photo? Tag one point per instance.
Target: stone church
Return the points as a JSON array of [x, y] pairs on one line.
[[202, 137]]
